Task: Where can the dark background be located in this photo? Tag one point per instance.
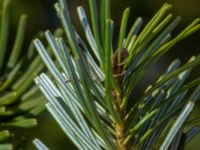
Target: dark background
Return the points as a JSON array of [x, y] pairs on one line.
[[42, 17]]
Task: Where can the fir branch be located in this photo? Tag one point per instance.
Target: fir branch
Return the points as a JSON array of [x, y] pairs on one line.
[[88, 94]]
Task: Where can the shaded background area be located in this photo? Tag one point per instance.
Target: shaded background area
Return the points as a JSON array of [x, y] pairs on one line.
[[42, 16]]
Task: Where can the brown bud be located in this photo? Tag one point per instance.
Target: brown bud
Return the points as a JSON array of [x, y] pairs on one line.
[[117, 68]]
